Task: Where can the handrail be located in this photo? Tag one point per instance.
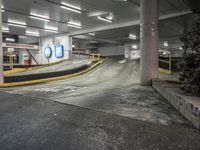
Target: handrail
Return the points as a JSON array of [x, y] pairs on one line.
[[169, 62]]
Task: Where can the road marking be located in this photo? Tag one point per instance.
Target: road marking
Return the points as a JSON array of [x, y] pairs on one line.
[[58, 89], [122, 61], [79, 61], [95, 71]]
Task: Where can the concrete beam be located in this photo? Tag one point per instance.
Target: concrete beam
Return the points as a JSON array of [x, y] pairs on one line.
[[96, 39], [127, 24]]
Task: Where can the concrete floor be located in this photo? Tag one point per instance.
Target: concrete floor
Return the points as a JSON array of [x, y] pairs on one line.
[[104, 109], [37, 124], [111, 88]]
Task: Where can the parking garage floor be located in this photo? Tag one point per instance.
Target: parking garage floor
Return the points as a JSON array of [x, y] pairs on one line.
[[103, 109]]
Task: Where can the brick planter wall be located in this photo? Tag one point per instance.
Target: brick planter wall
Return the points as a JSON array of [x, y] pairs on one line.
[[188, 106]]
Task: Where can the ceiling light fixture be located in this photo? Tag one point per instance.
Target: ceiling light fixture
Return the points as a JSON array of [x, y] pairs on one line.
[[39, 17], [166, 44], [2, 9], [5, 29], [50, 31], [104, 19], [31, 33], [17, 25], [92, 33], [17, 22], [10, 39], [134, 46], [132, 36], [71, 7], [51, 28], [73, 24]]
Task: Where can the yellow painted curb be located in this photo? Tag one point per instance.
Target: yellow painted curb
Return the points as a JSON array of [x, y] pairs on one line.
[[164, 71], [14, 84]]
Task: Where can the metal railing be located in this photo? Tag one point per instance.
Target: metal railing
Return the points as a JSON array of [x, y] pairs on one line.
[[94, 57], [168, 62]]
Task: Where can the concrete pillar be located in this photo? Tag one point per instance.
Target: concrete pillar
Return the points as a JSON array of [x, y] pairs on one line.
[[149, 40], [1, 50]]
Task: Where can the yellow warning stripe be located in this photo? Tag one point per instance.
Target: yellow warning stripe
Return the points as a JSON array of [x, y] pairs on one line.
[[165, 71], [14, 84]]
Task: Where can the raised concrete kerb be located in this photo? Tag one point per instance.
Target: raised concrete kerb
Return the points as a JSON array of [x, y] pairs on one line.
[[188, 106], [15, 84], [18, 70]]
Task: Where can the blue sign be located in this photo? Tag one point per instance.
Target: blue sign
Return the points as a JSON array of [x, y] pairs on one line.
[[59, 51], [48, 52]]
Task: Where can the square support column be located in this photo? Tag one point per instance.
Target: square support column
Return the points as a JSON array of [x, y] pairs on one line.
[[149, 41]]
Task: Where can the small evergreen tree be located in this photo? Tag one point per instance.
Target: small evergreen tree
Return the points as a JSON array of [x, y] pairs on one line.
[[190, 64]]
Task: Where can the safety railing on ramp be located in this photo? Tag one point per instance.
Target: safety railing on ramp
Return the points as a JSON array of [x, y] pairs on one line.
[[167, 61]]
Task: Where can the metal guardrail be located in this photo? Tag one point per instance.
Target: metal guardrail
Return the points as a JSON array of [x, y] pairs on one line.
[[168, 62], [94, 57], [11, 63]]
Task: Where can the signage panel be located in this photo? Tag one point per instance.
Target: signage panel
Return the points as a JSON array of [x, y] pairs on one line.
[[59, 51]]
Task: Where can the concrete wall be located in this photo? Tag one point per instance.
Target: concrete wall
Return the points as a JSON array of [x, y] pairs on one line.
[[35, 54], [51, 42], [111, 50], [28, 40]]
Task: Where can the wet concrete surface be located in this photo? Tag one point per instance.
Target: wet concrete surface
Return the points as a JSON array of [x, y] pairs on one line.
[[105, 109], [38, 124], [112, 88]]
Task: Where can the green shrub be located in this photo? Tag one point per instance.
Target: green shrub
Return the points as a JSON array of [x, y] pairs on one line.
[[190, 64]]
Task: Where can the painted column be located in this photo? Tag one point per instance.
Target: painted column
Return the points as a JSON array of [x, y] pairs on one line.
[[149, 41], [70, 47], [1, 50]]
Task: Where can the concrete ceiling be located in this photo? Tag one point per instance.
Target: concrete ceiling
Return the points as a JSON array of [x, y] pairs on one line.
[[121, 12]]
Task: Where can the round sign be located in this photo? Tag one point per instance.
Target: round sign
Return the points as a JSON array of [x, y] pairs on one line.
[[48, 52]]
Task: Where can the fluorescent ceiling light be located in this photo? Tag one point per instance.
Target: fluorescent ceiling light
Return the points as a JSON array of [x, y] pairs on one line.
[[134, 46], [39, 17], [51, 28], [17, 22], [104, 19], [132, 36], [73, 24], [166, 44], [33, 17], [50, 31], [92, 34], [10, 39], [32, 33], [4, 28], [17, 25], [71, 7], [2, 9]]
